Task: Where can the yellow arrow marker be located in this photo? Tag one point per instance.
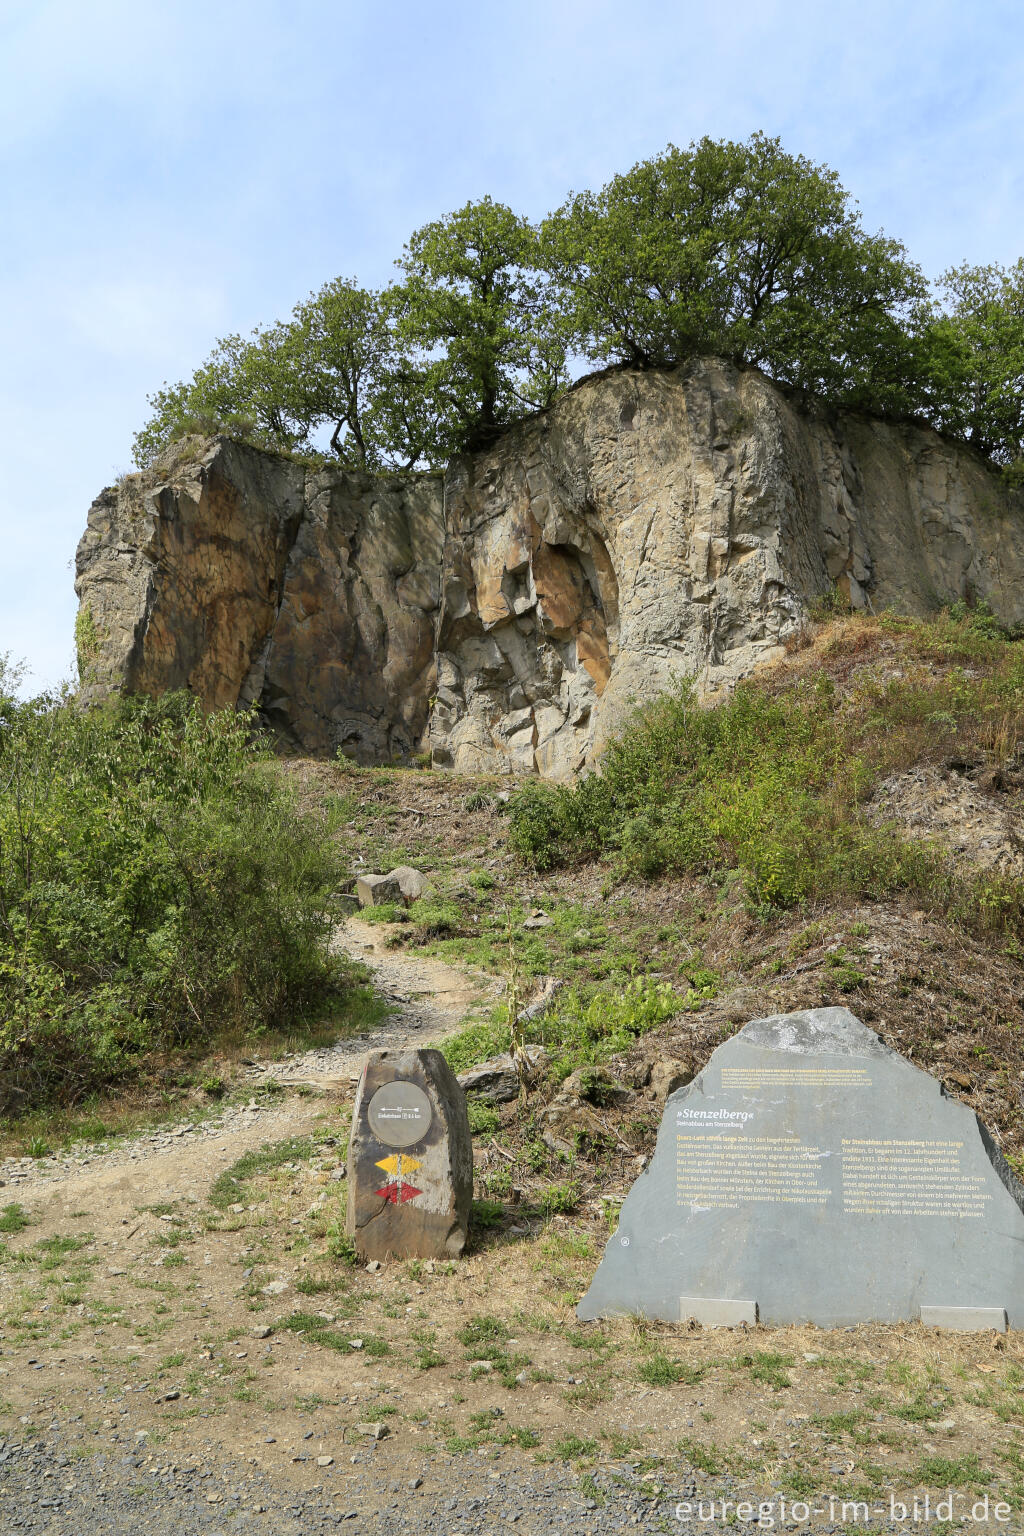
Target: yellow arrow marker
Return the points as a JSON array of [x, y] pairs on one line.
[[401, 1165]]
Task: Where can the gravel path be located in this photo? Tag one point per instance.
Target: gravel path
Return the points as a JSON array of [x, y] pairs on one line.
[[46, 1487], [70, 1482], [428, 1000], [119, 1492]]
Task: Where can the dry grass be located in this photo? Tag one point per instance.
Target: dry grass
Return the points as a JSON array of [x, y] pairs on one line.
[[765, 1407]]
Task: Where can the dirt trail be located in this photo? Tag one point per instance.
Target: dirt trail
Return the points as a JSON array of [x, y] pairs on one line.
[[114, 1199], [428, 1000]]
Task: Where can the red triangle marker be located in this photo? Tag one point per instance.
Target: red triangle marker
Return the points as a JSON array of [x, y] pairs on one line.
[[398, 1193]]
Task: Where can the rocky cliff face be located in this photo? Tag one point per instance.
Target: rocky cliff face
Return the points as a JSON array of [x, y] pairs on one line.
[[655, 525], [649, 526], [247, 579]]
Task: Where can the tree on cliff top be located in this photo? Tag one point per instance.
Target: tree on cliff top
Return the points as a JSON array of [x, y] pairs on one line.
[[339, 364], [975, 359], [342, 338], [278, 387], [473, 301], [248, 388], [741, 250]]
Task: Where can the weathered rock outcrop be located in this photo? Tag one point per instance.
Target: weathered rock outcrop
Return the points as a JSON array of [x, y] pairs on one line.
[[248, 579], [655, 525], [649, 526]]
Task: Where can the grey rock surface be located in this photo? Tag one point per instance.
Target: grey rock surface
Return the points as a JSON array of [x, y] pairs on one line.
[[649, 526], [378, 890], [815, 1172], [403, 884], [250, 579], [667, 1075], [496, 1080], [412, 883], [657, 525]]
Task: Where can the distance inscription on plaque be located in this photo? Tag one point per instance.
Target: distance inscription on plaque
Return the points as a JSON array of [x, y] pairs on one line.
[[399, 1114], [811, 1174], [410, 1159]]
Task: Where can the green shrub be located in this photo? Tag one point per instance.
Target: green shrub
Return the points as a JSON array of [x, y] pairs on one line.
[[584, 1026], [980, 619], [475, 1043], [386, 912], [560, 1199], [231, 1185], [436, 919], [771, 784], [318, 1331], [483, 1118], [482, 1330], [486, 1213], [573, 1448], [13, 1219], [659, 1370], [159, 889], [547, 820], [769, 1367], [341, 1246]]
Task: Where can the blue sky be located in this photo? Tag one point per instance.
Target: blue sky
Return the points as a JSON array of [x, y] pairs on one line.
[[173, 172]]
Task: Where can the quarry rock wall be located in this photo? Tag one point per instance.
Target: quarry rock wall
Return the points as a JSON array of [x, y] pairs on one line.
[[509, 615]]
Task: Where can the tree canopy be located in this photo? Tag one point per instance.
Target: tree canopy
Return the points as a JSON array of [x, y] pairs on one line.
[[975, 359], [737, 249], [473, 302]]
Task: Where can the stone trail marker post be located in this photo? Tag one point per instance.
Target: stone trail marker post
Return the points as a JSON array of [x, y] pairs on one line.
[[410, 1159], [811, 1174]]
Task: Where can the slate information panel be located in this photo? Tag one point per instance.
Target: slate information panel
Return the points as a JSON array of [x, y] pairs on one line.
[[811, 1174]]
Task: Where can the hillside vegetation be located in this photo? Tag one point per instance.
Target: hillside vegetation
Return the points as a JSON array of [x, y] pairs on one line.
[[773, 784], [864, 799], [778, 851], [159, 891], [166, 885]]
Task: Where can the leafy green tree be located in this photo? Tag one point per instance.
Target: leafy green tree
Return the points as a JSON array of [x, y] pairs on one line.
[[413, 423], [343, 341], [737, 249], [473, 303], [365, 383], [362, 381], [340, 365], [975, 359], [249, 388]]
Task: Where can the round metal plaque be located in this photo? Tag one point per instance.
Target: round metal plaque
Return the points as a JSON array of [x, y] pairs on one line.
[[399, 1114]]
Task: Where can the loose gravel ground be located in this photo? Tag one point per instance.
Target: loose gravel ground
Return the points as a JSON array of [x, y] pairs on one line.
[[46, 1488], [109, 1439]]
